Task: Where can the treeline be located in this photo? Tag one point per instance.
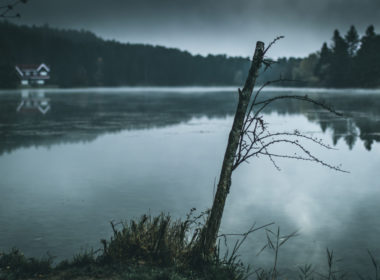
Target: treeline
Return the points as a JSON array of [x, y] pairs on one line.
[[349, 61], [79, 58]]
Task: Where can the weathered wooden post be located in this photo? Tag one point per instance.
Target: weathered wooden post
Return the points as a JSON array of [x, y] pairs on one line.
[[209, 233]]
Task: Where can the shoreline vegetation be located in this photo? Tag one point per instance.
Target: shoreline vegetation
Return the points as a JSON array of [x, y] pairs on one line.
[[147, 248], [186, 89], [81, 59], [160, 248]]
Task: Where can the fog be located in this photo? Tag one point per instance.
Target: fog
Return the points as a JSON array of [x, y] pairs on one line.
[[209, 26]]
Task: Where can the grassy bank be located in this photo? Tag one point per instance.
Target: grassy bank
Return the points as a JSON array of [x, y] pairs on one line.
[[149, 248], [159, 248]]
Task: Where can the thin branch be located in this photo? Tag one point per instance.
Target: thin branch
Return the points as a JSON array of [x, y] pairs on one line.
[[271, 158], [297, 134], [298, 97], [265, 85], [273, 42], [9, 7], [310, 157]]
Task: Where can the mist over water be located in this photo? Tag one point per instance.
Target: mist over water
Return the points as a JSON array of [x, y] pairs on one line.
[[95, 155]]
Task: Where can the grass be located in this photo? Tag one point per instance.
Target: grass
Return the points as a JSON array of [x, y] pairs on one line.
[[160, 248], [14, 265], [147, 248], [151, 240]]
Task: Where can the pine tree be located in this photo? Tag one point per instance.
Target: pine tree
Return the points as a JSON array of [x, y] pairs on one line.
[[370, 32], [338, 72], [323, 65], [352, 40], [367, 61]]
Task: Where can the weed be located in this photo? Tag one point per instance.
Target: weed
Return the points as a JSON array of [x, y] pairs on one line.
[[16, 265]]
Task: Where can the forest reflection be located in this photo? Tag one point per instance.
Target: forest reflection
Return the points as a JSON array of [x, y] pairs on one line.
[[69, 117]]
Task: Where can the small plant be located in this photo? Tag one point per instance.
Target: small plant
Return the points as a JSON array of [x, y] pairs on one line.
[[80, 260], [376, 268], [15, 265], [332, 272], [305, 272], [375, 265], [274, 243], [231, 260]]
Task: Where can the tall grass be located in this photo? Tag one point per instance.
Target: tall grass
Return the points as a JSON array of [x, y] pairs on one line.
[[152, 240], [161, 241], [158, 247]]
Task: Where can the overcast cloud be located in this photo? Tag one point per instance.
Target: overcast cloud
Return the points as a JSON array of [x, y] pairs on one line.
[[209, 26]]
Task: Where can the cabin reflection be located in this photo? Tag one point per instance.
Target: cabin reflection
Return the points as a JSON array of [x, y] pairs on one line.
[[33, 101]]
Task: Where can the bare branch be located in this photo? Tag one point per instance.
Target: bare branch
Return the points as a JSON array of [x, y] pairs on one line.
[[308, 155], [273, 42], [297, 97], [254, 141], [271, 158], [264, 86], [6, 9], [298, 134]]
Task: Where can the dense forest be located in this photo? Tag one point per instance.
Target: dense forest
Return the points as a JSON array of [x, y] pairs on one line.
[[80, 58], [349, 61]]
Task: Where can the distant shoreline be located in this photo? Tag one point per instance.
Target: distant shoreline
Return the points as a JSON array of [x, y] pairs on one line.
[[190, 89]]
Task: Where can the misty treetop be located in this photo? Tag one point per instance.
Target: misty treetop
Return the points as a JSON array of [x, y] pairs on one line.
[[80, 58]]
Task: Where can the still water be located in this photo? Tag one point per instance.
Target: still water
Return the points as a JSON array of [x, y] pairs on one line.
[[73, 160]]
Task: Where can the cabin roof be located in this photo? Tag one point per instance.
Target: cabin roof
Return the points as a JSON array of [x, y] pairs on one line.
[[21, 68]]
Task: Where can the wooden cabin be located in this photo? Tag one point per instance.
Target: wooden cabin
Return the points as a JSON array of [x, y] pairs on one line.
[[33, 74]]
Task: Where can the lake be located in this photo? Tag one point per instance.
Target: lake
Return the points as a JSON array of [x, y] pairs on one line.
[[73, 160]]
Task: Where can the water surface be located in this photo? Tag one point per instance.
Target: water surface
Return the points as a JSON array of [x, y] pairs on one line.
[[73, 160]]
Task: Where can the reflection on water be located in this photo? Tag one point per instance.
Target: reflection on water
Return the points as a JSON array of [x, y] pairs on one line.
[[84, 116], [33, 101], [101, 156]]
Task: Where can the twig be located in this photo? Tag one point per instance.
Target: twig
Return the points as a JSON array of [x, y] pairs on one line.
[[273, 42]]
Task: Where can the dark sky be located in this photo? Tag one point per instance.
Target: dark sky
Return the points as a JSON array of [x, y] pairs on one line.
[[210, 26]]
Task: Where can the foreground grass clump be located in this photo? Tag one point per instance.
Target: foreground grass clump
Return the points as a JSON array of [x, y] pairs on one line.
[[152, 240], [160, 241], [148, 248], [159, 248]]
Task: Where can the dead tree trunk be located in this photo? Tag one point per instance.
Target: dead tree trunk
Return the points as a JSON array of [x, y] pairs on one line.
[[209, 233]]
